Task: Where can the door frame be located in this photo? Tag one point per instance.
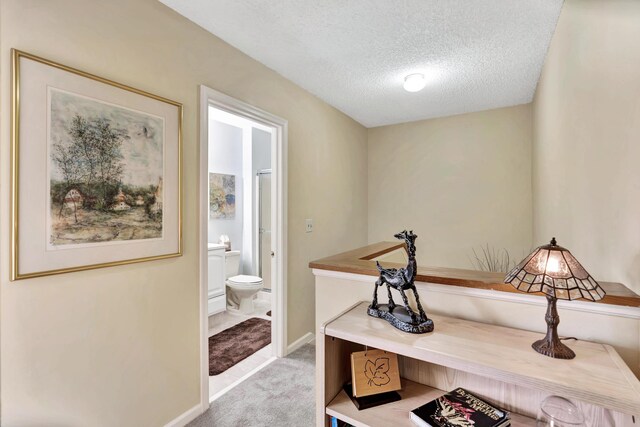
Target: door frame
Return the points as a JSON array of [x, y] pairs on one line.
[[211, 97]]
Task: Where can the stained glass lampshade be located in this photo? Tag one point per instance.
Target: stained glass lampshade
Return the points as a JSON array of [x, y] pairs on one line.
[[554, 271]]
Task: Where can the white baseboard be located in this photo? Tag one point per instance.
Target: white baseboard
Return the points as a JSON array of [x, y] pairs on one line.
[[187, 417], [306, 338], [264, 296], [216, 305]]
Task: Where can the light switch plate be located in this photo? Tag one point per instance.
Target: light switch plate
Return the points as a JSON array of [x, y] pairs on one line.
[[309, 225]]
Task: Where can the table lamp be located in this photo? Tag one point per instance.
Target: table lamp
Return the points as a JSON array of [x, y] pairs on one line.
[[552, 270]]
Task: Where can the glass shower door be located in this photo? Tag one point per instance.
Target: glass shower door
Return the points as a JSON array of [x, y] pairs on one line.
[[264, 228]]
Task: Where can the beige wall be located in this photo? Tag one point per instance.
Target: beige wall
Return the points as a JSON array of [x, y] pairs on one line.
[[587, 138], [120, 346], [460, 182]]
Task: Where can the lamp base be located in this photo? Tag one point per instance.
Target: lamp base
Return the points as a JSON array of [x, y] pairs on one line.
[[556, 349], [551, 345]]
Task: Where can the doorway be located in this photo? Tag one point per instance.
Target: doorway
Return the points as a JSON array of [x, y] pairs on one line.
[[254, 196]]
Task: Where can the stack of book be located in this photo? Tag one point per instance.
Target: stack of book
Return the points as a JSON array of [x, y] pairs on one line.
[[459, 408], [339, 423]]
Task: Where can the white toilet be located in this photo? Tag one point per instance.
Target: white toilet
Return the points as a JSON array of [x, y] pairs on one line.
[[241, 289]]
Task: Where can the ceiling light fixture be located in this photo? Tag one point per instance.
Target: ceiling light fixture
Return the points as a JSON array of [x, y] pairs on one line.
[[414, 82]]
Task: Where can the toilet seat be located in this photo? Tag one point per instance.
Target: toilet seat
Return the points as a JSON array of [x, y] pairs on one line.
[[243, 280]]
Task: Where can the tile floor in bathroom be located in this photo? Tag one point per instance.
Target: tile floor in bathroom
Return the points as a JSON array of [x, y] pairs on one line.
[[221, 321]]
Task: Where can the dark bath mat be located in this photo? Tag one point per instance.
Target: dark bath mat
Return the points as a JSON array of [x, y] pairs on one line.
[[237, 343]]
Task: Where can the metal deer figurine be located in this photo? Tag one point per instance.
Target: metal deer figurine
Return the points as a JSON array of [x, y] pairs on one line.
[[401, 279]]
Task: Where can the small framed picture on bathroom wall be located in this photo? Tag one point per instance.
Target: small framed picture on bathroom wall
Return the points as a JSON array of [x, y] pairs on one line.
[[95, 171], [222, 196]]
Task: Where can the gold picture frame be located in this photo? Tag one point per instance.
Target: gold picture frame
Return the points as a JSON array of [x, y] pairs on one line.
[[163, 237]]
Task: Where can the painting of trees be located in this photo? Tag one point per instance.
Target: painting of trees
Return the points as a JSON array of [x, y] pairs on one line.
[[91, 157], [105, 175], [96, 171]]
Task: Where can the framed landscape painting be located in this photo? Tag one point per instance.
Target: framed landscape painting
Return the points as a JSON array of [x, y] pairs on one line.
[[95, 171]]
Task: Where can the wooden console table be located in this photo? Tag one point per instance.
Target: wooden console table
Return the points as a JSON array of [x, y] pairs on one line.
[[494, 362]]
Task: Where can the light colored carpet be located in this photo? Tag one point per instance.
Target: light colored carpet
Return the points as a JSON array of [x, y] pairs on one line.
[[281, 394]]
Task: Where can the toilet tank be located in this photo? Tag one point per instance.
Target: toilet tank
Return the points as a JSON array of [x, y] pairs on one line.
[[231, 263]]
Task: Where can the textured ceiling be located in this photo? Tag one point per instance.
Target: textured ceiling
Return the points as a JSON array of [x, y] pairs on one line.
[[354, 54]]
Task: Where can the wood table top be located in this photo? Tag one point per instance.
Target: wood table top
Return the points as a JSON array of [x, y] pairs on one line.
[[362, 261]]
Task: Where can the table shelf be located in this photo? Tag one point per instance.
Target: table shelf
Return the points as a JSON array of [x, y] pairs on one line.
[[397, 413]]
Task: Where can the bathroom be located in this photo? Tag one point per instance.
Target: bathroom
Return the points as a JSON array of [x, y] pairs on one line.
[[239, 249]]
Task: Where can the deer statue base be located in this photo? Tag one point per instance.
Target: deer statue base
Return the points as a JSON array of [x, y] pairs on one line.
[[400, 318]]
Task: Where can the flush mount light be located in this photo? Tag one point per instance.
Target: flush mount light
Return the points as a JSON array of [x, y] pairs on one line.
[[414, 82]]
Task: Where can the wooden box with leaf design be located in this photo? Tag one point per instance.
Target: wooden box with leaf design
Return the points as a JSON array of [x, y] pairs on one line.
[[374, 372]]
